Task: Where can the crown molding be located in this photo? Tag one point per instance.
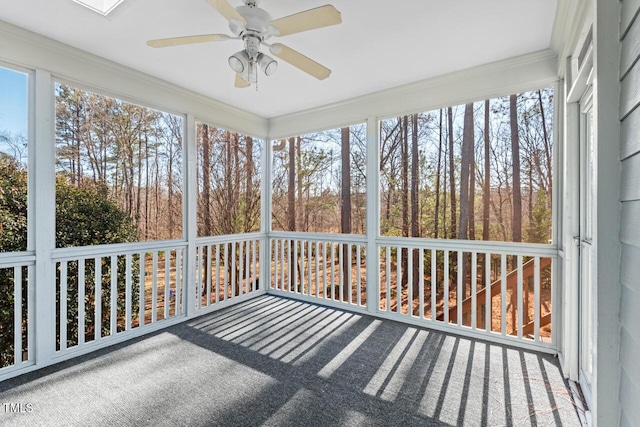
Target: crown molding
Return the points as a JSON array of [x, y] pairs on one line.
[[568, 27], [29, 50], [513, 75]]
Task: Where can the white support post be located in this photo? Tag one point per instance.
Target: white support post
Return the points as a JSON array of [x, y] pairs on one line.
[[265, 216], [190, 190], [42, 180], [373, 199]]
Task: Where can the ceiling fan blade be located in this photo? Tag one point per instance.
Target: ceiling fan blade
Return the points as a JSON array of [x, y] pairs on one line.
[[225, 9], [177, 41], [240, 82], [300, 61], [319, 17]]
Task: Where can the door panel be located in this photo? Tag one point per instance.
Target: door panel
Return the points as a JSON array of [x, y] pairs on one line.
[[588, 195]]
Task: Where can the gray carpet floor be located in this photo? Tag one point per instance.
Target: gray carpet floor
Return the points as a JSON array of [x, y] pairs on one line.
[[278, 362]]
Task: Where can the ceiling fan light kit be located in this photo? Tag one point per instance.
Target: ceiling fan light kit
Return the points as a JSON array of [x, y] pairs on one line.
[[254, 26]]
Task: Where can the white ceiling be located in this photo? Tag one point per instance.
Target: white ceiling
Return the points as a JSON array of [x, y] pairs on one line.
[[379, 45]]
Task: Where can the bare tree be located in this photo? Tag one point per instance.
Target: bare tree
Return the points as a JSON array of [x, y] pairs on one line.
[[438, 171], [516, 222], [467, 154], [452, 174], [486, 193]]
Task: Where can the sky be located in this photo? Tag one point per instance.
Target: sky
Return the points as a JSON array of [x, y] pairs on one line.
[[13, 102]]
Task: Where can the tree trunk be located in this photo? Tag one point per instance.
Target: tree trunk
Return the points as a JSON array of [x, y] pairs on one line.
[[486, 193], [248, 195], [547, 149], [465, 167], [472, 192], [438, 170], [516, 223], [299, 199], [206, 180], [465, 203], [291, 190], [452, 175], [146, 185]]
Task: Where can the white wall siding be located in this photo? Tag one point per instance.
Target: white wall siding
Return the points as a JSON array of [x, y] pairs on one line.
[[630, 215], [630, 134]]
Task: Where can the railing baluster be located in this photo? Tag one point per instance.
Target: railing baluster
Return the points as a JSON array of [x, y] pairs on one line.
[[17, 315], [247, 269], [300, 244], [474, 289], [317, 261], [81, 291], [398, 279], [167, 282], [225, 281], [309, 263], [341, 265], [461, 285], [333, 271], [30, 312], [208, 276], [358, 276], [282, 265], [387, 251], [325, 257], [410, 282], [142, 298], [488, 300], [240, 266], [217, 298], [434, 283], [421, 282], [178, 302], [199, 276], [63, 305], [98, 299], [154, 289], [254, 265], [274, 284], [445, 290], [127, 303], [520, 296], [503, 294], [536, 299], [114, 295], [290, 268], [234, 287]]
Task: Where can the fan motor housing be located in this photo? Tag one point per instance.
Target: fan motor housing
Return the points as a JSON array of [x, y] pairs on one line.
[[256, 18]]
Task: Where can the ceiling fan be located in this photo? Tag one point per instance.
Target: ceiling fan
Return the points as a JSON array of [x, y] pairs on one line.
[[254, 26]]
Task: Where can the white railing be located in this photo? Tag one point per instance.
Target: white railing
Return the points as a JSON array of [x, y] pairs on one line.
[[227, 269], [503, 292], [110, 290], [319, 267], [17, 306], [488, 289]]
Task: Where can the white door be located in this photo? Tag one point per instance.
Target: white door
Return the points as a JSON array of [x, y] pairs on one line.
[[588, 194]]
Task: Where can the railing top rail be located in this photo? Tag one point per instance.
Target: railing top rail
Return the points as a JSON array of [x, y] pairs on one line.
[[115, 249], [228, 238], [322, 237], [11, 259], [508, 248]]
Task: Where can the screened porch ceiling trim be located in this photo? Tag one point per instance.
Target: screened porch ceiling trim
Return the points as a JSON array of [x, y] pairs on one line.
[[87, 71]]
